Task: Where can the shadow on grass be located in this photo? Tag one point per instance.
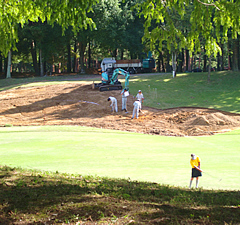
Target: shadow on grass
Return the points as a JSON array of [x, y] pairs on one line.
[[28, 197]]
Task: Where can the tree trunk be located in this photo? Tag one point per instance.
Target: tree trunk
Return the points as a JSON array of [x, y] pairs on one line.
[[9, 64], [82, 48], [238, 37], [40, 63], [235, 49], [180, 62], [69, 62], [34, 57], [159, 64], [122, 54], [168, 64], [222, 57], [205, 62], [75, 57], [115, 53], [205, 58], [162, 62], [5, 66], [174, 64], [218, 61], [229, 57], [1, 63], [188, 66], [89, 54], [209, 67]]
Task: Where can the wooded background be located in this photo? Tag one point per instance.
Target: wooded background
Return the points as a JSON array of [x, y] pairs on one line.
[[44, 37]]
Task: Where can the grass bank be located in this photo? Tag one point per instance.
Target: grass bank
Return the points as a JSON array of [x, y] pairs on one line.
[[190, 89]]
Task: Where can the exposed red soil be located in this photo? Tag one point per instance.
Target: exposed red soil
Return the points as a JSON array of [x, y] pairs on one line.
[[79, 104]]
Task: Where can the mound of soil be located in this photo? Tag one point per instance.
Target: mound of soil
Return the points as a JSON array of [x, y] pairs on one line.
[[79, 104]]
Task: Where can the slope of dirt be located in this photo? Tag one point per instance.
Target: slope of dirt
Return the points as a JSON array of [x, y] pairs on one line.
[[75, 104]]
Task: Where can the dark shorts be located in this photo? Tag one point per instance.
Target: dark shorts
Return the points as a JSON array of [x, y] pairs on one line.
[[196, 173]]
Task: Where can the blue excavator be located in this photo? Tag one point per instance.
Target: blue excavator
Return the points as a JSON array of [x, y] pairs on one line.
[[110, 80]]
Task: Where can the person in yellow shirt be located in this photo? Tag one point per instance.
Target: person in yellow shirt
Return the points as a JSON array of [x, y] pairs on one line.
[[196, 171]]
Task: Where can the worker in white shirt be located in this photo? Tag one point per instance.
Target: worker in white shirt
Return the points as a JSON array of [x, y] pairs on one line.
[[140, 97], [125, 94], [137, 106], [113, 103]]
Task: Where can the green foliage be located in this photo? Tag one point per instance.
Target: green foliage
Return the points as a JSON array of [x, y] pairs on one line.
[[207, 20], [65, 13], [117, 27]]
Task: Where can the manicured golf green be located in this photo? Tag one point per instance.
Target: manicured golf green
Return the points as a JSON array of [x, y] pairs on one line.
[[81, 150]]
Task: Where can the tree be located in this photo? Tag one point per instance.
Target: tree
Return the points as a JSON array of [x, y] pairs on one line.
[[65, 13], [211, 21], [118, 28], [235, 49]]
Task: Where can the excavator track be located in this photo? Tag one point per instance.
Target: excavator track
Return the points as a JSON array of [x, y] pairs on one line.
[[110, 87]]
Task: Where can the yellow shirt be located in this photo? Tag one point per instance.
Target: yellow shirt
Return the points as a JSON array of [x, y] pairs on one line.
[[194, 162]]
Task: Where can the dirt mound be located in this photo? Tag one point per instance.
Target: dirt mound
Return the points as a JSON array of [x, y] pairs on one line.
[[79, 104]]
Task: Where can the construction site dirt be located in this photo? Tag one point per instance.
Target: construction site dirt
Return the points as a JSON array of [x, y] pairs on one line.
[[79, 104]]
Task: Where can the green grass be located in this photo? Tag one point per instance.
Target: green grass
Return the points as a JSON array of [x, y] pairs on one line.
[[80, 175], [32, 197], [113, 153], [191, 89], [89, 151]]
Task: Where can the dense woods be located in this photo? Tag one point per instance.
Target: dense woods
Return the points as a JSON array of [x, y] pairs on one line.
[[46, 37]]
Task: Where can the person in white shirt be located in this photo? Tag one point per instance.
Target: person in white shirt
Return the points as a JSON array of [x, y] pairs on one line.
[[137, 105], [113, 103], [124, 94], [140, 97]]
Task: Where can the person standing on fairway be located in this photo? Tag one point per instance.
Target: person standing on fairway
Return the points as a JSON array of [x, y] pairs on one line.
[[113, 103], [196, 171]]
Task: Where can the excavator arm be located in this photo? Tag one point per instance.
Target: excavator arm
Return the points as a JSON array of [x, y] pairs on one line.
[[117, 72]]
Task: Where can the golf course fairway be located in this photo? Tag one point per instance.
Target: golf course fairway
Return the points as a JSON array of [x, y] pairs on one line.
[[118, 154]]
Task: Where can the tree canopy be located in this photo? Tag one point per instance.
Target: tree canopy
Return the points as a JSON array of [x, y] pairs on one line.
[[123, 29], [63, 12], [210, 19]]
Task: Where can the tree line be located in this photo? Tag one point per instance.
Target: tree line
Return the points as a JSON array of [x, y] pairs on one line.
[[48, 36]]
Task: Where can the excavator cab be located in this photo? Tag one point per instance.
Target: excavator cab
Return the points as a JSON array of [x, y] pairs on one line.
[[107, 76]]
